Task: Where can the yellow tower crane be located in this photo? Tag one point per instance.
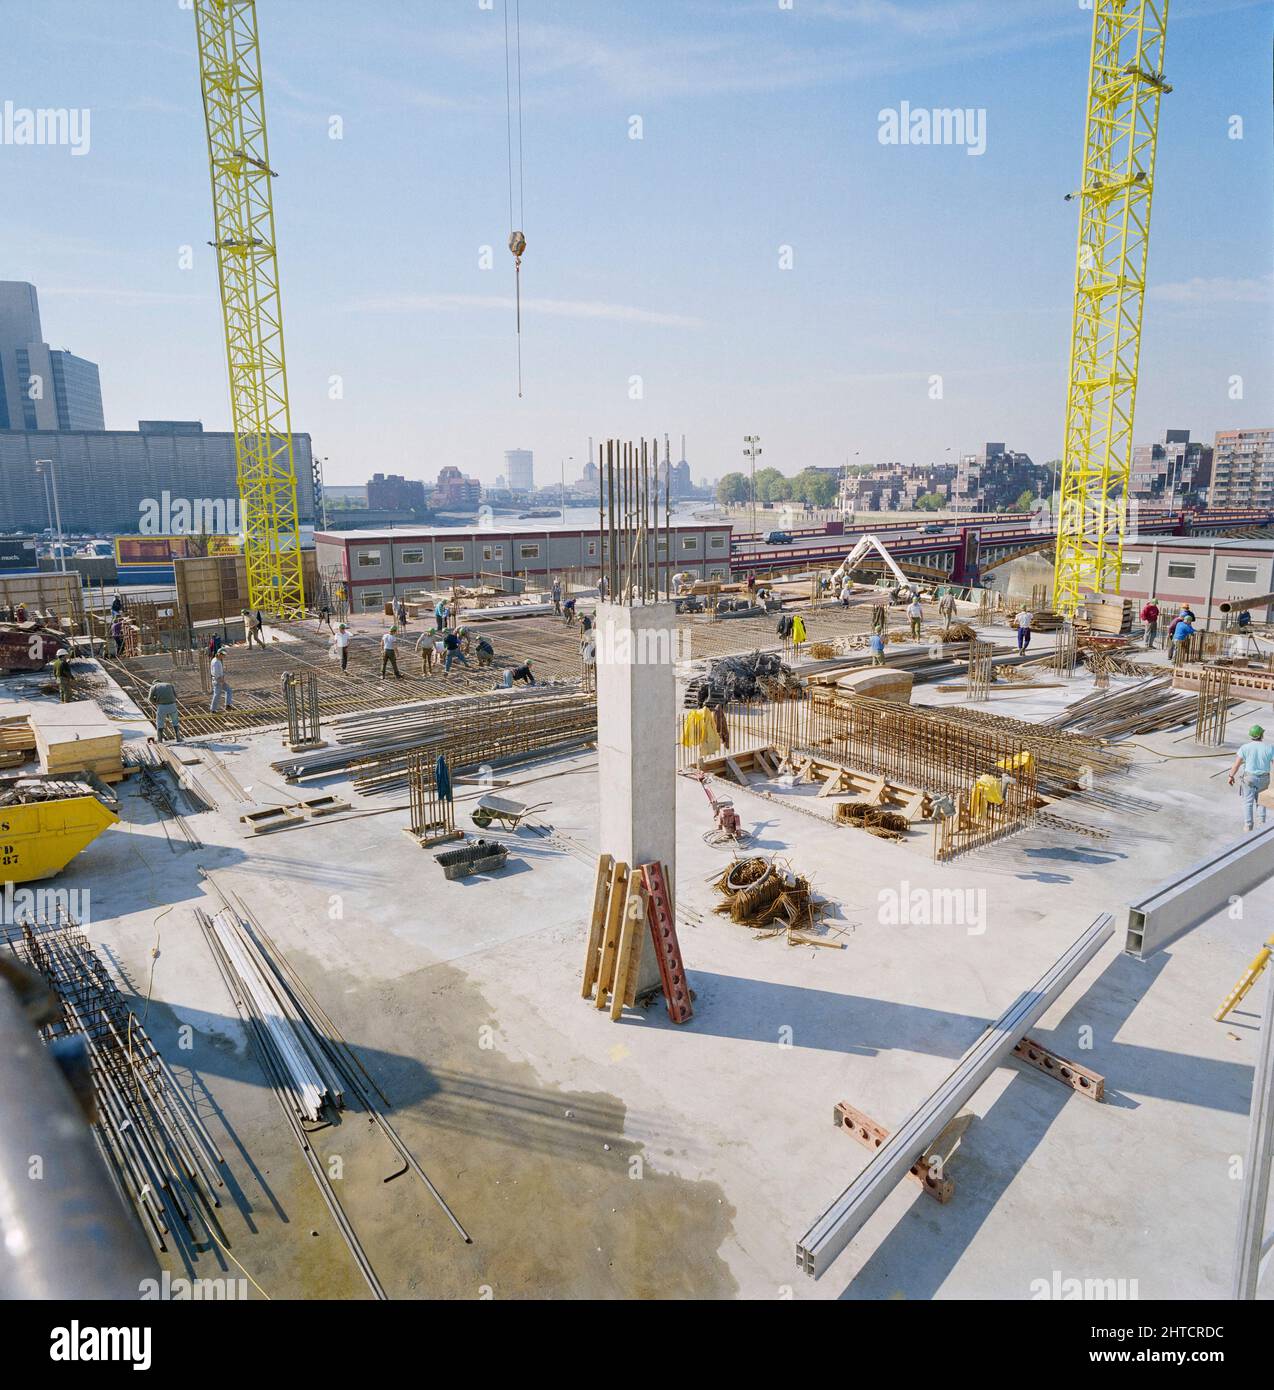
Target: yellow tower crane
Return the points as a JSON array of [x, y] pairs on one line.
[[248, 269], [1124, 86]]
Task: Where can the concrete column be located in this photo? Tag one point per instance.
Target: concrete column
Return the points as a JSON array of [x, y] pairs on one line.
[[636, 743]]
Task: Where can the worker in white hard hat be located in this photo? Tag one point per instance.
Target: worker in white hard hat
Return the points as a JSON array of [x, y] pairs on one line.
[[62, 674]]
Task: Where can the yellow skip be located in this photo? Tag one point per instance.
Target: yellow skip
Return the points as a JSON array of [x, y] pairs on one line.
[[42, 837]]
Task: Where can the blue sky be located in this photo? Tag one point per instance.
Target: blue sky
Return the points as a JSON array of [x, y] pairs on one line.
[[656, 258]]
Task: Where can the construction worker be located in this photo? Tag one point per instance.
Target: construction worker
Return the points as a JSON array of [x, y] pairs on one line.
[[117, 636], [451, 652], [947, 608], [62, 674], [117, 606], [556, 595], [1254, 758], [259, 624], [425, 647], [249, 629], [1023, 625], [878, 617], [325, 615], [164, 698], [440, 614], [342, 644], [485, 652], [588, 655], [568, 612], [877, 644], [389, 653], [603, 587], [1150, 616], [221, 692], [402, 614], [1181, 634], [520, 673], [915, 613]]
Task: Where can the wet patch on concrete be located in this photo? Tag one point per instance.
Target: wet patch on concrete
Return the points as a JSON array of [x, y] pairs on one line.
[[558, 1203]]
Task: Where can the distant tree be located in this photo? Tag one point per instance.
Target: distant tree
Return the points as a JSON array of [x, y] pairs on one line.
[[815, 488], [769, 482], [1025, 501], [732, 489], [930, 502]]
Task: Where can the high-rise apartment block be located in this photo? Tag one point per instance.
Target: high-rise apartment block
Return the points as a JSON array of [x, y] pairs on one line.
[[1173, 473], [995, 478], [1242, 469]]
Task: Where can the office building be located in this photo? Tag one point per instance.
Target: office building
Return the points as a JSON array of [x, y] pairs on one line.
[[519, 468], [381, 565], [41, 388], [110, 480], [1242, 469]]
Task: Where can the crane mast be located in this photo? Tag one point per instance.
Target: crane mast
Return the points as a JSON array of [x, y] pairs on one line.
[[248, 271], [1124, 87]]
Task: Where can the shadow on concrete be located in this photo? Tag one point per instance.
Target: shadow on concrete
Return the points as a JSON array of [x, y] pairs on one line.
[[926, 1244], [735, 1006], [1075, 854]]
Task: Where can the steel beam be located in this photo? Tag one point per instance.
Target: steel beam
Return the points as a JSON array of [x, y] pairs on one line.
[[1195, 894], [838, 1225], [1256, 1169]]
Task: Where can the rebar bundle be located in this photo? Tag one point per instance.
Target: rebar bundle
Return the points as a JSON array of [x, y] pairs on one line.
[[433, 815], [1144, 708], [159, 1152], [979, 679], [1213, 707], [637, 559], [376, 747], [300, 696]]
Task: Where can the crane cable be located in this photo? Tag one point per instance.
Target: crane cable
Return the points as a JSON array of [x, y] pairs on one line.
[[517, 242]]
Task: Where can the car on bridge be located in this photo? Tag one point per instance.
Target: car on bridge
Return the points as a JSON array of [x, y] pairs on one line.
[[778, 538]]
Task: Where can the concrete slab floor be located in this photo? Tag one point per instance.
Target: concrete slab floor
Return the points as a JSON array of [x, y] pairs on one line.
[[636, 1159]]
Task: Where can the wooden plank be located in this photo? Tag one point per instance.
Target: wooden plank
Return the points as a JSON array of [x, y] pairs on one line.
[[874, 793], [832, 782], [610, 934], [736, 771], [765, 761], [631, 933], [596, 922]]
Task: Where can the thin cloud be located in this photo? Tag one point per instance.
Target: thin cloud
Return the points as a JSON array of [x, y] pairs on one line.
[[1217, 289], [131, 298], [557, 308]]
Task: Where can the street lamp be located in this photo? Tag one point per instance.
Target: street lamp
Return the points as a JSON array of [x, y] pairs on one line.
[[752, 452], [40, 466]]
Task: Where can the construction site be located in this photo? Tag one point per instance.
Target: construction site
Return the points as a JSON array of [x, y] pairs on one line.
[[836, 931]]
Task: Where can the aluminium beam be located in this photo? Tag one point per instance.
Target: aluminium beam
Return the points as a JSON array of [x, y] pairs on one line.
[[1183, 902], [837, 1226], [1256, 1169]]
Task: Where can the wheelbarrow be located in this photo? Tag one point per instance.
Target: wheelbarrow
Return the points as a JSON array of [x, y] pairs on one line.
[[509, 813]]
